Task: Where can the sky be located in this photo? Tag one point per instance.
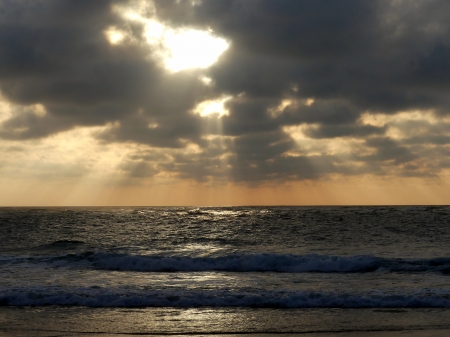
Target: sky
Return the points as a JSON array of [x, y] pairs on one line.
[[224, 102]]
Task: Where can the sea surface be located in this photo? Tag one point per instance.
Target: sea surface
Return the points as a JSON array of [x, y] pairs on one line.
[[173, 270]]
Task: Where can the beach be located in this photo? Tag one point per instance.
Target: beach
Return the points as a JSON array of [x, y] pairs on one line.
[[57, 321]]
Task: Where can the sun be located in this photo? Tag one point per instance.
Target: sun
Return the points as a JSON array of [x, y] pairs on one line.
[[193, 49], [178, 49], [114, 36]]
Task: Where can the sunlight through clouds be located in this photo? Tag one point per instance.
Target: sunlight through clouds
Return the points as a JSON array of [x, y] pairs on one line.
[[137, 93], [406, 124], [192, 49], [287, 103], [179, 49], [211, 107], [339, 147], [114, 35], [5, 109], [276, 111]]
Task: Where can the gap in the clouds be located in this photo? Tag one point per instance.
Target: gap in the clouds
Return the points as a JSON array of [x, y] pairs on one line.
[[177, 49], [213, 107], [114, 35]]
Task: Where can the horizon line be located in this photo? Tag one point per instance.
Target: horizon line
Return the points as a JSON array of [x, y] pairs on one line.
[[212, 206]]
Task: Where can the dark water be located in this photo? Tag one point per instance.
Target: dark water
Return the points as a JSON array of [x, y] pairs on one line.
[[237, 258]]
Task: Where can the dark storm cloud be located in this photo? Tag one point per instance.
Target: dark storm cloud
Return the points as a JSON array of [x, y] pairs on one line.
[[350, 56], [333, 49], [387, 149], [285, 28], [332, 60], [258, 157], [55, 53], [334, 131], [248, 117], [330, 112]]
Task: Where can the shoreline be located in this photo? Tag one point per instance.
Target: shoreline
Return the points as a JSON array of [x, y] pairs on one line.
[[401, 333], [54, 321]]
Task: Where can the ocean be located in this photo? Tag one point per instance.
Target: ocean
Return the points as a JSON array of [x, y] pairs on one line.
[[224, 270]]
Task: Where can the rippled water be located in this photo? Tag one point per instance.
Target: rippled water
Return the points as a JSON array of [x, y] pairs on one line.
[[227, 257]]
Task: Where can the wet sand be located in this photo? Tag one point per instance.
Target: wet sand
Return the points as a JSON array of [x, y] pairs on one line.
[[426, 333], [229, 322]]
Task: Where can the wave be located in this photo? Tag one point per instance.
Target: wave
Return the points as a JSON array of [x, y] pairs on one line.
[[61, 244], [235, 263], [97, 297], [284, 263], [264, 262]]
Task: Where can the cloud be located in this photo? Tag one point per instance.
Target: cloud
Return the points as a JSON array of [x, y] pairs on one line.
[[320, 66], [334, 131]]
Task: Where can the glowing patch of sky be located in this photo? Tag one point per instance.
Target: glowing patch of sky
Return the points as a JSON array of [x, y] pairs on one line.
[[192, 49], [396, 123], [114, 35], [5, 109], [212, 107], [179, 49]]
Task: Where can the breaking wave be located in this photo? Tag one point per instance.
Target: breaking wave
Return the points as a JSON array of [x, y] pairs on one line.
[[237, 263], [97, 297], [263, 262], [283, 263]]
